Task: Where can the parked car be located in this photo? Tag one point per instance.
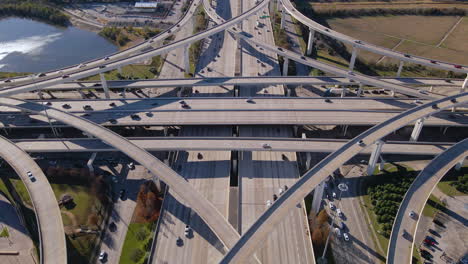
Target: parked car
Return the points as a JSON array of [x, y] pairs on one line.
[[31, 176], [122, 194], [332, 205], [339, 213], [102, 256], [131, 166], [187, 231], [346, 236]]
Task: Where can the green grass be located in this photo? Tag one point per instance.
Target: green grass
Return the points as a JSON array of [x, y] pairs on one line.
[[417, 255], [138, 239], [430, 208], [12, 74], [382, 240], [22, 191], [133, 71], [448, 189], [4, 232]]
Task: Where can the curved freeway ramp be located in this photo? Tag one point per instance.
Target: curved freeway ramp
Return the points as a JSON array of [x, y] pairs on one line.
[[251, 239], [400, 248], [367, 46], [49, 219], [225, 232]]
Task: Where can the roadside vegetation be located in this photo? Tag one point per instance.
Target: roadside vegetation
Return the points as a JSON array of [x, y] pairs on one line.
[[34, 10], [455, 183], [115, 34], [195, 49], [319, 228], [139, 238], [4, 232]]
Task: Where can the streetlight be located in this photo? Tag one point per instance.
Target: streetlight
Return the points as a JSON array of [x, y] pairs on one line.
[[343, 188]]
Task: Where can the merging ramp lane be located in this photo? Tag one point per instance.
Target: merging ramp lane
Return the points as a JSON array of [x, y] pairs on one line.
[[400, 248], [52, 247]]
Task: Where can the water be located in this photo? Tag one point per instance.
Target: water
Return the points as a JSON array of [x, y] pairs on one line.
[[31, 46]]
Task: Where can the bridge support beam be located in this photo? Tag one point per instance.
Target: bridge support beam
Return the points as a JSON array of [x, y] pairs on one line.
[[353, 58], [359, 91], [310, 42], [317, 200], [187, 59], [464, 85], [344, 90], [459, 164], [104, 85], [283, 17], [417, 129], [374, 156], [285, 66], [400, 68]]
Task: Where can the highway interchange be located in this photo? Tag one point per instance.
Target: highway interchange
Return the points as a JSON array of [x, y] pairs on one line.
[[199, 188]]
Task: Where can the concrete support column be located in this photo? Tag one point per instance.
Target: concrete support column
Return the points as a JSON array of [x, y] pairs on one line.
[[464, 85], [285, 66], [344, 90], [417, 129], [278, 5], [310, 43], [283, 17], [400, 68], [308, 160], [392, 93], [104, 85], [186, 59], [119, 69], [317, 200], [374, 156], [353, 58], [90, 163], [359, 91], [459, 164]]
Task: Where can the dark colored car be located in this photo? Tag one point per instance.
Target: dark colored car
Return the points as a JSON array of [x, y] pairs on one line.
[[122, 193]]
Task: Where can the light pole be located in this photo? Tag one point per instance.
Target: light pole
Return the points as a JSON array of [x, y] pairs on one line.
[[343, 188]]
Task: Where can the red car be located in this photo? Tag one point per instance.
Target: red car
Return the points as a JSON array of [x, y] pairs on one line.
[[429, 242], [457, 66]]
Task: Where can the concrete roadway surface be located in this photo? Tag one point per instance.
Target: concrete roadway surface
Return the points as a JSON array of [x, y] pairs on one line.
[[49, 219], [250, 240], [205, 80], [205, 209], [400, 248], [19, 239], [208, 172], [224, 143], [122, 210]]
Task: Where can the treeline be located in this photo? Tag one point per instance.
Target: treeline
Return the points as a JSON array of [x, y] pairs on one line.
[[386, 192], [432, 11], [115, 35], [34, 10]]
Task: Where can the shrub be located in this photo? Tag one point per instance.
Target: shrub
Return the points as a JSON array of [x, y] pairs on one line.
[[136, 254]]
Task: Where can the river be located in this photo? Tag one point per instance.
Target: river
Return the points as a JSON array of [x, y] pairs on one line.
[[31, 46]]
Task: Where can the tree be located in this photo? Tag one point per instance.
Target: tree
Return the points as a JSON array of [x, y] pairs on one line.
[[93, 219]]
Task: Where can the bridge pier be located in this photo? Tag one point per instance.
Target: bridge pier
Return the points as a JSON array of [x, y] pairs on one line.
[[417, 129], [359, 91], [400, 68], [374, 156], [460, 164], [283, 17], [187, 59], [353, 58], [317, 200], [462, 90], [90, 163], [104, 85], [278, 4], [285, 66], [343, 91], [310, 42]]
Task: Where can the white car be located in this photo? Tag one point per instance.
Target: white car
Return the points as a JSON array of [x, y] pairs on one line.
[[102, 256], [31, 176], [131, 166], [337, 232], [412, 214], [268, 203], [187, 230], [280, 191], [334, 194], [338, 211], [332, 206], [346, 236]]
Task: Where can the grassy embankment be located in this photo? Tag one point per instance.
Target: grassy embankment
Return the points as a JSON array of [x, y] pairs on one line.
[[195, 49]]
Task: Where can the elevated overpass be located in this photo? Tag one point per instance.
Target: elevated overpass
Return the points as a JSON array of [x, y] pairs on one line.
[[415, 199], [224, 144], [251, 239], [52, 246]]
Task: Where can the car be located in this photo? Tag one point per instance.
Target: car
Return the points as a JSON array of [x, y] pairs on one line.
[[334, 194], [457, 66], [112, 227], [433, 61], [86, 114], [417, 101], [275, 197], [268, 203], [112, 104], [87, 107], [327, 30], [31, 176], [113, 121], [102, 256], [82, 65], [342, 226], [179, 242], [106, 58], [339, 213], [280, 49], [7, 81], [435, 106], [114, 179], [184, 105], [249, 100], [407, 55], [431, 239], [425, 254], [428, 242], [102, 66], [361, 143], [337, 232], [350, 72], [122, 194], [358, 41], [332, 205], [187, 231], [412, 214], [266, 146], [131, 165], [40, 74], [135, 117], [65, 76], [66, 106], [209, 69], [346, 236], [303, 57], [280, 191]]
